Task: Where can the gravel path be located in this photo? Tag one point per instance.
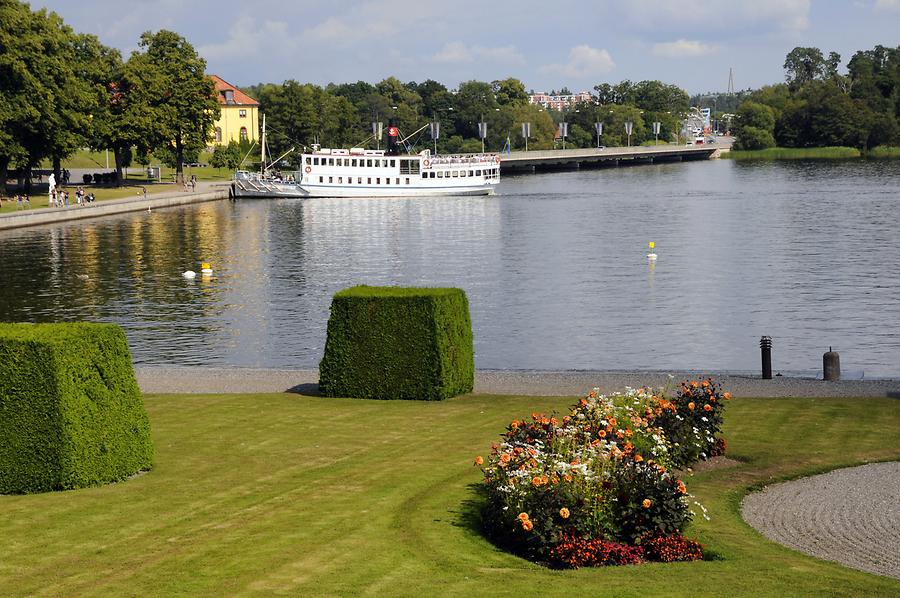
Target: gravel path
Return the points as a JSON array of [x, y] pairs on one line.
[[519, 382], [849, 516]]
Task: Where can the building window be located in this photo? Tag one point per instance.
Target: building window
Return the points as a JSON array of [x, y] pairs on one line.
[[243, 133], [218, 134], [242, 113]]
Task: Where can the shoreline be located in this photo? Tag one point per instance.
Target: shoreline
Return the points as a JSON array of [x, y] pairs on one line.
[[43, 216], [213, 380]]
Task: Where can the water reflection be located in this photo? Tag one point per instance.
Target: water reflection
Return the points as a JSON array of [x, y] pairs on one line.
[[555, 268]]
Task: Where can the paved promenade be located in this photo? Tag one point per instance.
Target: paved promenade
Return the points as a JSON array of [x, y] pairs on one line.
[[205, 191]]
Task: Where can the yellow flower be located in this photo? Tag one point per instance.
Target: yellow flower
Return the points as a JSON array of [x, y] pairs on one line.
[[564, 513]]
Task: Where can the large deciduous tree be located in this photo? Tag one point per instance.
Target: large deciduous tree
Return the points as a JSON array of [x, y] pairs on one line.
[[167, 78]]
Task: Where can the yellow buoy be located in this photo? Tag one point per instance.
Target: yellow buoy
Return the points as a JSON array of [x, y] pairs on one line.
[[651, 256], [205, 268]]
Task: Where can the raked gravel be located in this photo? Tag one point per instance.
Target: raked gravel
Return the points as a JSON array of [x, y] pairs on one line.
[[849, 516], [154, 379]]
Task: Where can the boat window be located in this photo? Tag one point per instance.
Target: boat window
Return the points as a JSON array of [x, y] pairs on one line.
[[387, 181], [477, 173], [378, 180], [455, 174], [331, 161], [308, 160], [353, 162], [320, 179], [397, 181], [471, 173], [407, 180], [330, 180], [369, 163], [440, 174], [370, 180], [346, 161], [340, 180], [393, 163], [359, 180]]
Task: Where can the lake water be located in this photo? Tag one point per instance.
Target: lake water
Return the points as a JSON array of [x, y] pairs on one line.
[[554, 266]]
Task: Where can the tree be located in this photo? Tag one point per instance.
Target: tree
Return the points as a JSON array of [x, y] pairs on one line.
[[755, 126], [227, 156], [170, 81], [45, 103], [803, 65], [509, 92]]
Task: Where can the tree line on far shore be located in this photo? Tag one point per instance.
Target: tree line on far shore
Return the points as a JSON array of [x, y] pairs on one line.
[[341, 115], [818, 106]]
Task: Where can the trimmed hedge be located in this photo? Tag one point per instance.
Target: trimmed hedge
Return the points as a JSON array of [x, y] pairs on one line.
[[398, 343], [71, 413]]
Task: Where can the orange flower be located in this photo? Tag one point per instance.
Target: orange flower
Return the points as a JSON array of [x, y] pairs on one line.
[[694, 384], [705, 383], [681, 487], [612, 421], [691, 405], [536, 480], [567, 477], [602, 433], [479, 460], [527, 525], [726, 396], [504, 458], [707, 407], [647, 503], [514, 425], [638, 458], [523, 516], [564, 513]]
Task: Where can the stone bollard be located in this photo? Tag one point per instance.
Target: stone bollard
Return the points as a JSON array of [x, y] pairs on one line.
[[831, 365]]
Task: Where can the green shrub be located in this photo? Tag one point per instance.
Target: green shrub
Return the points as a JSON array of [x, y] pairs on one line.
[[398, 343], [71, 413]]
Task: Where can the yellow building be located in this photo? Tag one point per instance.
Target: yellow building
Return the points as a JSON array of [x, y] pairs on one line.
[[240, 114]]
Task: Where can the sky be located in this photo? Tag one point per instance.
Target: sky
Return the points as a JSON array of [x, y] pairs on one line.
[[545, 44]]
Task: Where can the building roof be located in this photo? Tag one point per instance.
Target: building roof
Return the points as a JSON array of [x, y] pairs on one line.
[[239, 98]]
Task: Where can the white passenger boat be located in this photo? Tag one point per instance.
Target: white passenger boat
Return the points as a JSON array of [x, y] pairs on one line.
[[359, 172]]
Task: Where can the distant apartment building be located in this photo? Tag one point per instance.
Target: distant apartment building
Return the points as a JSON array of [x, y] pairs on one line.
[[560, 101], [239, 118]]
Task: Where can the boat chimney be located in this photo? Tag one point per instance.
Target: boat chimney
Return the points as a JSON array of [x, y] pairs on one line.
[[393, 149]]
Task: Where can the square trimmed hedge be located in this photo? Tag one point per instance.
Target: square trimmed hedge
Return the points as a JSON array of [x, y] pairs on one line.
[[71, 412], [398, 343]]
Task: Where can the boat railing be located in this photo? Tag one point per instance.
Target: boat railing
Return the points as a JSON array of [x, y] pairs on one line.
[[464, 159]]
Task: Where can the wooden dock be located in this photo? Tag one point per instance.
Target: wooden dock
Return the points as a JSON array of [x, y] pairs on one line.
[[568, 159]]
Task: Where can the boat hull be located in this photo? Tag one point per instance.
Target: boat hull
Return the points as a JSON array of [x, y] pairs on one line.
[[312, 190], [243, 188]]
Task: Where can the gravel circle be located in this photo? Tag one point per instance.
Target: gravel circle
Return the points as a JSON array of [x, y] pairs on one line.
[[849, 516]]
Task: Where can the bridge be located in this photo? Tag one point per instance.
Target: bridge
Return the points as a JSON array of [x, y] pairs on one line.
[[599, 157]]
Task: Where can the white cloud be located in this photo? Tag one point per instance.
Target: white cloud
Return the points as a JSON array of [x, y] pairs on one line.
[[584, 61], [719, 14], [249, 40], [887, 5], [682, 47], [457, 52], [331, 29]]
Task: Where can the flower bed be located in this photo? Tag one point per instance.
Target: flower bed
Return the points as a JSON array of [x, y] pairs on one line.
[[595, 487]]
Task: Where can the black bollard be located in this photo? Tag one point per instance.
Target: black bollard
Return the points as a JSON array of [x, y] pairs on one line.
[[765, 348], [831, 365]]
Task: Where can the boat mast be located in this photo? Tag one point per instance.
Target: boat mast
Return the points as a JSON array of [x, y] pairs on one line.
[[262, 162]]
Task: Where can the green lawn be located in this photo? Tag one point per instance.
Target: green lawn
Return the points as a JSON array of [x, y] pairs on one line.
[[794, 153], [288, 494]]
